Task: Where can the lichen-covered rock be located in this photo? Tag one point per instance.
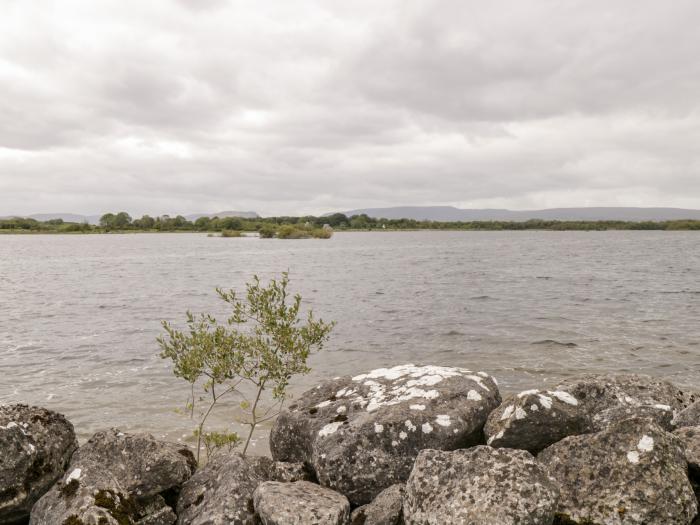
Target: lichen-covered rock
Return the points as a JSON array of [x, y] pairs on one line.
[[534, 419], [117, 478], [632, 473], [385, 509], [479, 486], [300, 503], [659, 414], [688, 417], [35, 448], [599, 392], [221, 493], [361, 434], [690, 436]]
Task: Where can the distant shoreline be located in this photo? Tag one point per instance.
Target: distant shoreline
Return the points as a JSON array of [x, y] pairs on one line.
[[296, 227]]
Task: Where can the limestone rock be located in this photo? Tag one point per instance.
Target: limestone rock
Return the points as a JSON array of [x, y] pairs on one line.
[[659, 414], [688, 417], [479, 486], [599, 392], [35, 448], [385, 509], [690, 436], [117, 477], [300, 503], [361, 434], [534, 419], [632, 473], [221, 493]]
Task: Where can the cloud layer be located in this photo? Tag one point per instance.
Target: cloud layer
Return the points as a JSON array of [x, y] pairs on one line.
[[309, 106]]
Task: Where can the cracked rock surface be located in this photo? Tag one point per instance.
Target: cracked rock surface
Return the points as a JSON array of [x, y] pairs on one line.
[[632, 473], [479, 486], [300, 503]]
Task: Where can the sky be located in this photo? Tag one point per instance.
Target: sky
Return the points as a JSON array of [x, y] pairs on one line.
[[307, 107]]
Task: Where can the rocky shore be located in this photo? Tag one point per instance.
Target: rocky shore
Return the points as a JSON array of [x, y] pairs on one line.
[[402, 445]]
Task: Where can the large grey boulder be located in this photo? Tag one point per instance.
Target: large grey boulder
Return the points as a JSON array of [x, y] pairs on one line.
[[632, 473], [221, 493], [479, 486], [385, 509], [35, 447], [300, 503], [688, 417], [535, 419], [361, 434], [118, 478]]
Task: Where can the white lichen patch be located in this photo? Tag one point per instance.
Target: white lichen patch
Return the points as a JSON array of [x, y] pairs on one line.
[[545, 401], [633, 456], [479, 382], [534, 408], [495, 437], [527, 393], [330, 428], [378, 428], [473, 395], [403, 435], [323, 404], [75, 475], [10, 425], [646, 444], [341, 409], [390, 386], [564, 397], [410, 426], [666, 408], [443, 420], [394, 443], [508, 412], [520, 413], [427, 428], [417, 407]]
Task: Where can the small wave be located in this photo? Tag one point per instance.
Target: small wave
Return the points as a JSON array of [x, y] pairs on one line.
[[454, 332], [546, 277], [554, 342], [481, 298]]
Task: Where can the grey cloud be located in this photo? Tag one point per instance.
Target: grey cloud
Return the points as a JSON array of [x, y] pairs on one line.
[[308, 106]]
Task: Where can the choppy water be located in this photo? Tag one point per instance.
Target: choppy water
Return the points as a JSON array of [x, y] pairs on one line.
[[79, 314]]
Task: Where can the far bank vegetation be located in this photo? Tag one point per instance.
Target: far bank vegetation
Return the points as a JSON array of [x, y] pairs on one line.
[[314, 227]]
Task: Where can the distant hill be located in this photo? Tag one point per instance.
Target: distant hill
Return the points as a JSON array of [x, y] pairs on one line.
[[450, 213], [67, 217], [222, 214], [95, 219]]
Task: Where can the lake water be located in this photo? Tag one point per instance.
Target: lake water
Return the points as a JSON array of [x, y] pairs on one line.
[[79, 314]]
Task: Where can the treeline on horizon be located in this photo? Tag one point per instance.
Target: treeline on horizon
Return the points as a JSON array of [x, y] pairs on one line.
[[123, 222]]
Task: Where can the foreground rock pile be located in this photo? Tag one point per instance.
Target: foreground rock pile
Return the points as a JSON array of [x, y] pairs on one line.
[[402, 445]]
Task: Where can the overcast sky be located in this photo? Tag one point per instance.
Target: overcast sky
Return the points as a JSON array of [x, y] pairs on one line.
[[291, 107]]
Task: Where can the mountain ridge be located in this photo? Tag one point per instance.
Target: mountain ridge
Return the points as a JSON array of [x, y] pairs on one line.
[[451, 213]]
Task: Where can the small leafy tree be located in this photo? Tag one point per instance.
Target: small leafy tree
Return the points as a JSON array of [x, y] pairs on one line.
[[257, 350]]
